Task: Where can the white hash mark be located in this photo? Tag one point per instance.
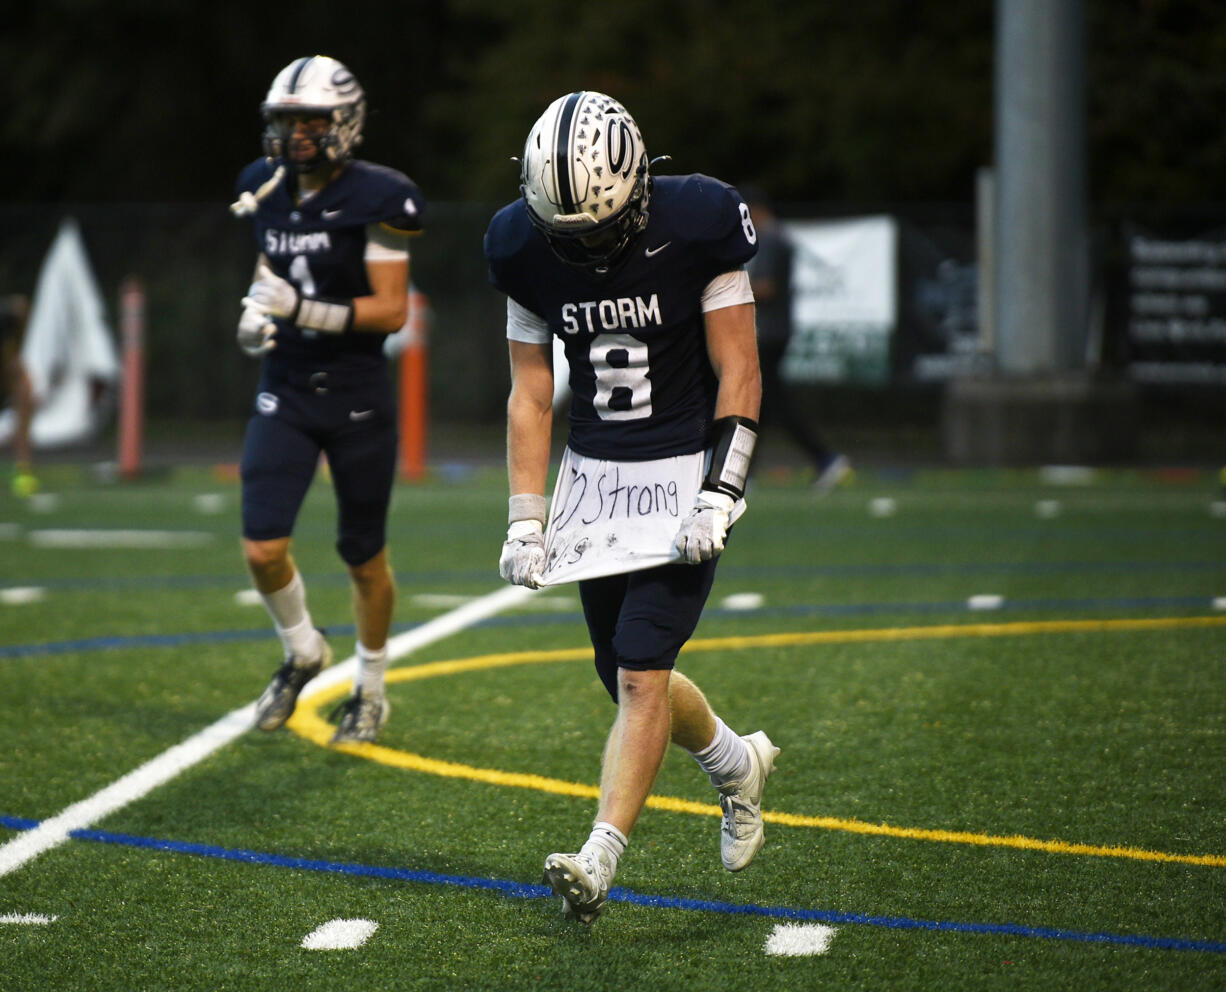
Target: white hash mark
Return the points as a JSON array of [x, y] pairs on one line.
[[339, 935], [799, 939]]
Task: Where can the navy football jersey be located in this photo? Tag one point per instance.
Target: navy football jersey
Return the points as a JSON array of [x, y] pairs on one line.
[[320, 244], [642, 384]]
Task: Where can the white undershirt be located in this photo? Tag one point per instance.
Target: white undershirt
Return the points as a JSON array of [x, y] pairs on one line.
[[385, 245]]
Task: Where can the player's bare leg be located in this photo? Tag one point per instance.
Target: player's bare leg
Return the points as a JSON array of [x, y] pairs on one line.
[[632, 757], [738, 767], [693, 722], [270, 563], [306, 651], [636, 745], [374, 595]]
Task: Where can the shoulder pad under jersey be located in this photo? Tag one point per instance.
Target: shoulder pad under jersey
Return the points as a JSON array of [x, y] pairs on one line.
[[385, 196], [709, 215], [510, 245]]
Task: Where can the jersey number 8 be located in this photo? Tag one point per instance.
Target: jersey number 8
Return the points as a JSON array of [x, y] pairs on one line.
[[623, 390]]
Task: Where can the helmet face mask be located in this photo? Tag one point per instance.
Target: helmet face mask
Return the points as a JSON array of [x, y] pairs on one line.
[[316, 88], [584, 180]]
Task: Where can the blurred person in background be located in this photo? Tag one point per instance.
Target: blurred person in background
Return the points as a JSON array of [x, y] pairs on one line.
[[643, 279], [770, 275], [331, 283], [14, 311]]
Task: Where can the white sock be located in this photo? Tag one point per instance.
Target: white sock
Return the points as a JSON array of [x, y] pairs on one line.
[[371, 667], [726, 758], [301, 642], [288, 609], [607, 843]]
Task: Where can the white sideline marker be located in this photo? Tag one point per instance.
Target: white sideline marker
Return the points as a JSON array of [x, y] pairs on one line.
[[33, 919], [743, 601], [1047, 509], [21, 595], [44, 502], [118, 538], [140, 781], [985, 601], [209, 504], [794, 940], [339, 935], [882, 507]]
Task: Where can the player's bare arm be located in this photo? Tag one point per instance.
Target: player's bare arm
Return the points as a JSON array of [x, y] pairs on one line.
[[529, 425], [733, 350], [386, 309], [529, 416]]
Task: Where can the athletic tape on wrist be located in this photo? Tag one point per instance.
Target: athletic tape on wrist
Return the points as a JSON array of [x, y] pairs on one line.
[[330, 316], [731, 453], [526, 506]]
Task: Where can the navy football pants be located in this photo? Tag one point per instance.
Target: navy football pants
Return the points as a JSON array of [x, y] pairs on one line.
[[640, 620], [355, 428]]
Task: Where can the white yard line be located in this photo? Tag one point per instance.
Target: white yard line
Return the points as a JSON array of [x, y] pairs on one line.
[[159, 539], [139, 782]]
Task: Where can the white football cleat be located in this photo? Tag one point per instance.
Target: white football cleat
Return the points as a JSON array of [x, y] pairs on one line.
[[582, 882], [742, 836], [361, 718]]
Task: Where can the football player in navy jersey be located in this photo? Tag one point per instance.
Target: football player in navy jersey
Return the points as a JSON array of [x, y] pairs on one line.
[[643, 280], [331, 282]]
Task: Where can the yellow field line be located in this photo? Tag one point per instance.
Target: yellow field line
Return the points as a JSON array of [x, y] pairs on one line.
[[307, 723]]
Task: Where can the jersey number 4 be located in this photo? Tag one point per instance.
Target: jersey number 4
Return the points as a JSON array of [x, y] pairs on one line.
[[623, 389]]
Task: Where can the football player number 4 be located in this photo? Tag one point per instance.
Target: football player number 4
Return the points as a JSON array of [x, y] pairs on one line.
[[300, 272], [623, 391]]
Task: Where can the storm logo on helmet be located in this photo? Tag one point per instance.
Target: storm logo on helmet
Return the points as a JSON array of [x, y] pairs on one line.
[[584, 180]]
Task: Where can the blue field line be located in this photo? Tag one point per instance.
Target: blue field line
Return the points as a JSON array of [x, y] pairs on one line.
[[887, 569], [1127, 603], [522, 890]]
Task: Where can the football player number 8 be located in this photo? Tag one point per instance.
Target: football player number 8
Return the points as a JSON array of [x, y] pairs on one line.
[[751, 235], [623, 391]]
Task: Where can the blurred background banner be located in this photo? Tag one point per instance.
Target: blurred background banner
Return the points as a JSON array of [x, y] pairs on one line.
[[844, 309], [69, 350], [1174, 302]]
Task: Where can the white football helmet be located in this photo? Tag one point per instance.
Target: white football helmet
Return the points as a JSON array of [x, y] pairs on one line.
[[584, 179], [315, 85]]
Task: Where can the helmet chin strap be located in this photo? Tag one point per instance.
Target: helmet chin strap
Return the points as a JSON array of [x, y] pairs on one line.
[[249, 202]]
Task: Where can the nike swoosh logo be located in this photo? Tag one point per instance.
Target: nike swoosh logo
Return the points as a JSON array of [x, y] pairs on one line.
[[655, 251], [329, 214], [361, 414]]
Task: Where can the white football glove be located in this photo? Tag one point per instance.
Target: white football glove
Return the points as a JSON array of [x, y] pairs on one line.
[[271, 293], [523, 554], [702, 533], [256, 332]]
